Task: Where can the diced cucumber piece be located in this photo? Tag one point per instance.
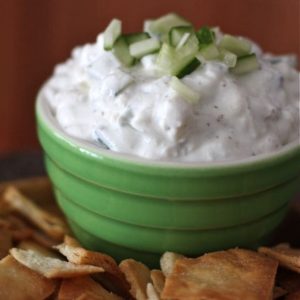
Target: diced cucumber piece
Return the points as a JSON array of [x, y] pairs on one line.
[[228, 58], [163, 24], [166, 60], [176, 34], [205, 35], [144, 47], [209, 52], [171, 61], [111, 33], [183, 90], [147, 24], [245, 64], [189, 68], [238, 46], [136, 37], [183, 40], [121, 51]]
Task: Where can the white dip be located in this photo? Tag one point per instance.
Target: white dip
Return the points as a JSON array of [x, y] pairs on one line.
[[236, 117]]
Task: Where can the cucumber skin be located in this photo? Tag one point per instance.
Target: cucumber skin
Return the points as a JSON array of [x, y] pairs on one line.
[[245, 64], [171, 62], [205, 36], [235, 45], [188, 69], [121, 51], [136, 37]]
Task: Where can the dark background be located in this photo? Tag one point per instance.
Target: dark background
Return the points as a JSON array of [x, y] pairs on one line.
[[37, 34]]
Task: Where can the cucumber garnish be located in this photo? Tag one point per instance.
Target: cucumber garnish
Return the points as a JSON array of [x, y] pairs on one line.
[[171, 61], [111, 33], [121, 51], [163, 24], [238, 46], [189, 68], [245, 64], [144, 47], [205, 35], [182, 49], [228, 58], [176, 34], [209, 52], [136, 37], [183, 90]]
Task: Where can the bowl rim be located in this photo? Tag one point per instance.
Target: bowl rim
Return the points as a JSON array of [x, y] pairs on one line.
[[44, 115]]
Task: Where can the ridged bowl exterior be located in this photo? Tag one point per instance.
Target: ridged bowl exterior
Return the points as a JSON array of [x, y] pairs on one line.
[[130, 207]]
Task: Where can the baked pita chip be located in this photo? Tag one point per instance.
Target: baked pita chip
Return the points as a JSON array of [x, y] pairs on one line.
[[228, 275], [5, 242], [52, 225], [158, 279], [167, 262], [71, 241], [286, 256], [152, 294], [52, 267], [84, 288], [17, 282], [78, 255], [138, 275], [36, 247]]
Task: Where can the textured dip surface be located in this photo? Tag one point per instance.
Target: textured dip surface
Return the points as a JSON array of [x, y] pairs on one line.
[[237, 116]]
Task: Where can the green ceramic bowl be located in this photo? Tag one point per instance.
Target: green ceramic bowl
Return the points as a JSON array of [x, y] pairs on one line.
[[133, 207]]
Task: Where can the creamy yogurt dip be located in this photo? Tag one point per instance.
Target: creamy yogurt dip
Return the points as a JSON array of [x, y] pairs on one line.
[[135, 110]]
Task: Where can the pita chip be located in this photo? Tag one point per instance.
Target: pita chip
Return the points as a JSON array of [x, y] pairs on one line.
[[84, 288], [51, 267], [22, 283], [224, 275]]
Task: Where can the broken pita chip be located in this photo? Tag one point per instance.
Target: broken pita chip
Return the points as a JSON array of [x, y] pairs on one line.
[[286, 256], [158, 279], [5, 242], [84, 288], [278, 292], [138, 276], [70, 241], [234, 274], [21, 283], [152, 294], [78, 255], [167, 262], [52, 225], [36, 247], [52, 267]]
